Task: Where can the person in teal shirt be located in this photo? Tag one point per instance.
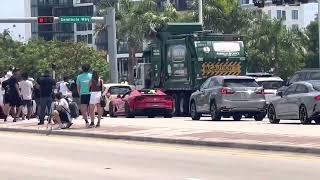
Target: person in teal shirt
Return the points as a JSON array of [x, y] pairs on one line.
[[83, 81]]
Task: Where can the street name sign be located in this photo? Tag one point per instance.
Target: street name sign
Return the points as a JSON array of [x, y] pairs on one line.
[[75, 19]]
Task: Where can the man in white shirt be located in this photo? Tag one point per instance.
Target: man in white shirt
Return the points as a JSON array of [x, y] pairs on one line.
[[64, 87], [60, 113], [26, 88]]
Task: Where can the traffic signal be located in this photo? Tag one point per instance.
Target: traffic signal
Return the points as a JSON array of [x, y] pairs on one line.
[[45, 19], [277, 2], [259, 3]]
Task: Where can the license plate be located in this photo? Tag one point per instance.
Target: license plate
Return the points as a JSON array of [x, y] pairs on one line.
[[244, 96]]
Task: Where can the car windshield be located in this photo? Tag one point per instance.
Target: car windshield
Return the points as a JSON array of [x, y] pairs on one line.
[[119, 89], [270, 84], [240, 83], [314, 76]]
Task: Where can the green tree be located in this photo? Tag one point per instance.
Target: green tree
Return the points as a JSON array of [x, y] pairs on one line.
[[134, 21], [270, 45], [39, 55], [311, 43]]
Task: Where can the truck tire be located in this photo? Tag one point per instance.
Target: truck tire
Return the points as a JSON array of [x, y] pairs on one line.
[[183, 105], [175, 110]]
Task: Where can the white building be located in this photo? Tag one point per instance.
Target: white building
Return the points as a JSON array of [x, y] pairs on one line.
[[294, 16]]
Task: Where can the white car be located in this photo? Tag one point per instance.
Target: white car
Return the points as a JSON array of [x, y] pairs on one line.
[[112, 91], [270, 85]]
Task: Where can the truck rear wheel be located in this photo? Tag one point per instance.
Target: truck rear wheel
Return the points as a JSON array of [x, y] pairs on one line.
[[183, 105]]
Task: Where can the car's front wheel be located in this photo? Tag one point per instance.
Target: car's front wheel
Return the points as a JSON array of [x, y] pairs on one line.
[[215, 114], [237, 117], [303, 115], [193, 111], [272, 115], [111, 110]]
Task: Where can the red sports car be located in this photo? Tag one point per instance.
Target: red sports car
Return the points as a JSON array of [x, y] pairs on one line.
[[142, 103]]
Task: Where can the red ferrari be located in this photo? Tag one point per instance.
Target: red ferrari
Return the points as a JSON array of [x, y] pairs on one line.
[[149, 103]]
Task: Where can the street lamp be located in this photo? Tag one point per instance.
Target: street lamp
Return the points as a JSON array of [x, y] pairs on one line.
[[201, 14], [319, 30]]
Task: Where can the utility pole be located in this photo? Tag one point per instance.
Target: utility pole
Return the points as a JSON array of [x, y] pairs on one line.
[[319, 31], [112, 44], [201, 13]]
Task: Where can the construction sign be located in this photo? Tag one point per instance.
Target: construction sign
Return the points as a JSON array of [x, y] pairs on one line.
[[221, 68]]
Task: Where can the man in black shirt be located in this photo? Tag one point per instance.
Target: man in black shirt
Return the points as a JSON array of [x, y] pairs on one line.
[[14, 95], [47, 84]]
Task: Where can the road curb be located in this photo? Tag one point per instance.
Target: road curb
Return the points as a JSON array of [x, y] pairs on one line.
[[234, 145]]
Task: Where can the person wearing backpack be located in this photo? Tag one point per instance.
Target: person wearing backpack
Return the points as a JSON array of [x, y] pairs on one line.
[[96, 89]]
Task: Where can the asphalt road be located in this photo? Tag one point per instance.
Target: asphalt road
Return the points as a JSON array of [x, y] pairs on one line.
[[38, 157]]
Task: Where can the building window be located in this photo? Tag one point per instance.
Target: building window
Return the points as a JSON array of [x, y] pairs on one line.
[[281, 14], [269, 13], [244, 1], [295, 14], [89, 38], [295, 27], [284, 15], [278, 14]]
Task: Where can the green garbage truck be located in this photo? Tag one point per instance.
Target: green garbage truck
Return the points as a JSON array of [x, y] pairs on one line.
[[182, 56]]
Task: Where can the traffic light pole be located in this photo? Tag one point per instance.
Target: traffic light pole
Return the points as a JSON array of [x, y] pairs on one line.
[[319, 31], [109, 20]]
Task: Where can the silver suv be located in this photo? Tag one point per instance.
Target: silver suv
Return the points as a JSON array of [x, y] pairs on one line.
[[226, 96]]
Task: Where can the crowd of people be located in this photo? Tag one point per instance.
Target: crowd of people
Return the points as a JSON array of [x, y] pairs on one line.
[[46, 99]]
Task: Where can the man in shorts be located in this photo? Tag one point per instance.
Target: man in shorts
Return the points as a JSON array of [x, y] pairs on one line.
[[26, 88], [14, 94], [83, 81]]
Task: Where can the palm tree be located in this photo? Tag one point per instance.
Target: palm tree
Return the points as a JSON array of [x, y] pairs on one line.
[[134, 20]]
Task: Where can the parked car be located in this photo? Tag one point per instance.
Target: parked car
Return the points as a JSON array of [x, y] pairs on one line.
[[112, 91], [270, 86], [149, 103], [303, 75], [226, 96], [300, 101], [259, 74]]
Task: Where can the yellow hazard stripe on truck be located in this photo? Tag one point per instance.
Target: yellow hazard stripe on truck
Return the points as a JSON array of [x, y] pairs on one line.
[[221, 68]]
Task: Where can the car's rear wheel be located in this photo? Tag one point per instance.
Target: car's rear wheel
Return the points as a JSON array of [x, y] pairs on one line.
[[111, 110], [215, 114], [303, 115], [237, 117], [272, 115], [151, 116], [129, 114], [259, 116], [317, 121], [193, 111]]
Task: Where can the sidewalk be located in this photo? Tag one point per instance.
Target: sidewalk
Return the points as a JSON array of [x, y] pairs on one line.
[[248, 134]]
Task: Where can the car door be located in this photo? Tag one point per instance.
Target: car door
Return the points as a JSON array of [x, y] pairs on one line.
[[201, 97], [294, 101], [121, 103], [282, 105], [208, 92]]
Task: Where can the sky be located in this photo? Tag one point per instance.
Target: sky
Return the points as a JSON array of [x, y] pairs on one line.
[[13, 8]]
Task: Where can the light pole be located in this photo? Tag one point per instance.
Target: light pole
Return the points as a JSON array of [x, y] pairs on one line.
[[319, 31], [201, 14]]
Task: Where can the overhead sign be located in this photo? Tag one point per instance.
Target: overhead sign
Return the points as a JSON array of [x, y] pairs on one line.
[[75, 19]]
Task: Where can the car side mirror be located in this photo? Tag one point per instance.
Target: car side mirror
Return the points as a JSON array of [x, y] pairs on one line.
[[280, 93]]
